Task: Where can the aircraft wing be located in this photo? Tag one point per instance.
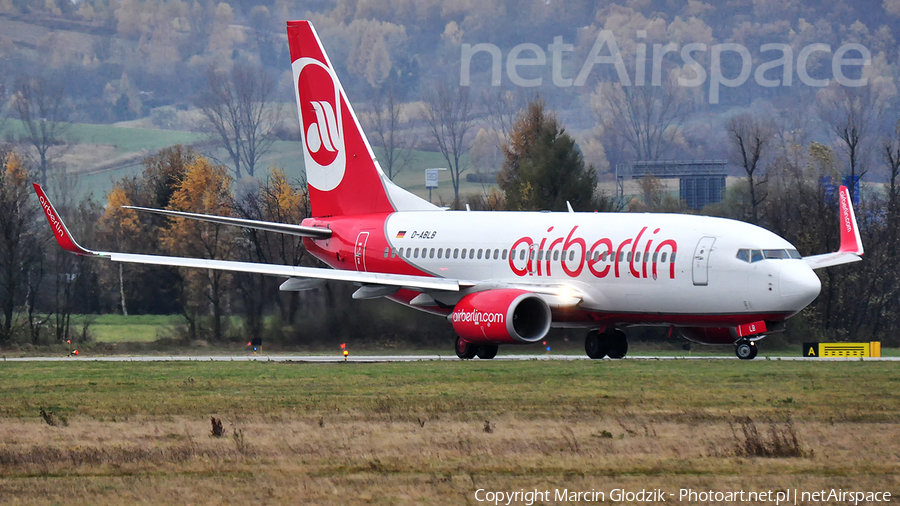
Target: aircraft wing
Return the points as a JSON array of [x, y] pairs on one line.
[[68, 243], [269, 226], [851, 249]]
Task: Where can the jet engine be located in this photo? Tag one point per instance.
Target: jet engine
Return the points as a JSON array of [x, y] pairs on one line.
[[501, 316]]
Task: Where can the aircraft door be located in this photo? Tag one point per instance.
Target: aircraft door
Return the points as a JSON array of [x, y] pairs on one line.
[[359, 251], [700, 270]]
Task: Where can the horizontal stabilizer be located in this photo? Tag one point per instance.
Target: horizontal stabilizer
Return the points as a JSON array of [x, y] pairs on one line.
[[268, 226]]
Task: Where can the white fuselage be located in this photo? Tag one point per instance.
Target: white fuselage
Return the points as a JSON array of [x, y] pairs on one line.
[[620, 263]]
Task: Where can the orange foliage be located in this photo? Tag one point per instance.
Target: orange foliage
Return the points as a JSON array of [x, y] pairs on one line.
[[205, 189]]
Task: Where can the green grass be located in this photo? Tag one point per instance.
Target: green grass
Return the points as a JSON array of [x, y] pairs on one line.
[[847, 391], [126, 140], [433, 433]]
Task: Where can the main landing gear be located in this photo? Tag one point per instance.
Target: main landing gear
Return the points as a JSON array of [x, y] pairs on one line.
[[612, 343], [466, 350], [745, 349]]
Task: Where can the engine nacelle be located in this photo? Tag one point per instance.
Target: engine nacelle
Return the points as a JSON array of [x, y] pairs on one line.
[[501, 316]]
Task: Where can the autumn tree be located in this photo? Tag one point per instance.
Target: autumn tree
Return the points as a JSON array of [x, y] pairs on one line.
[[122, 228], [276, 201], [145, 288], [543, 169], [205, 189], [449, 114], [240, 113], [42, 108], [750, 139]]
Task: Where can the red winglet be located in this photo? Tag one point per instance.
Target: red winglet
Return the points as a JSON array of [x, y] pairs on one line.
[[850, 240], [63, 237]]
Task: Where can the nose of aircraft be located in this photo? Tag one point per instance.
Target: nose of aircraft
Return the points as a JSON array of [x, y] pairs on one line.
[[799, 285]]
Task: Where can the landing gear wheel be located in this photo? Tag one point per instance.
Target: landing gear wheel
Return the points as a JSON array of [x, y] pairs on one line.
[[755, 350], [487, 351], [745, 350], [465, 350], [596, 344], [618, 344]]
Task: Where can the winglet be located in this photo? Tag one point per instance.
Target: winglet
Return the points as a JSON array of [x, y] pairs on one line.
[[850, 240], [63, 237]]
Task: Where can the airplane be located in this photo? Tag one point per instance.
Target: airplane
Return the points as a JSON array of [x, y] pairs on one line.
[[502, 277]]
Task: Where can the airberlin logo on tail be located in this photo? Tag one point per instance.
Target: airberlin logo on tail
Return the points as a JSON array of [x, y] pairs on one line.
[[322, 133], [319, 104]]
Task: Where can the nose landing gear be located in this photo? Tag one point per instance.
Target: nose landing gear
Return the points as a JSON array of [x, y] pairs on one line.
[[612, 343], [745, 349]]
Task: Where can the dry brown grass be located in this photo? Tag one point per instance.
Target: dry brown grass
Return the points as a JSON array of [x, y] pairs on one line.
[[175, 460]]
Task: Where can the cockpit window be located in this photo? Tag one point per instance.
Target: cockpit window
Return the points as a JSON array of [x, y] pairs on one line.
[[755, 255]]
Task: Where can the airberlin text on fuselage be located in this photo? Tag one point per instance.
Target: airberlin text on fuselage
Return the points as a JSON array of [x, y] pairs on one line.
[[602, 258]]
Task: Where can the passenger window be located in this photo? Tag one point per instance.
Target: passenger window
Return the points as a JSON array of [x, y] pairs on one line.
[[386, 251], [503, 256], [756, 256], [663, 259], [463, 256], [456, 253], [637, 256], [556, 255], [621, 256], [497, 254], [431, 253], [472, 253], [440, 252], [408, 252], [597, 256], [522, 255], [672, 258], [629, 256], [572, 256], [416, 253], [743, 255], [655, 255], [479, 253], [393, 253]]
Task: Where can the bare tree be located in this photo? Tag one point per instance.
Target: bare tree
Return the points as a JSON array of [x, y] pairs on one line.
[[19, 246], [42, 107], [851, 113], [240, 114], [891, 151], [647, 116], [450, 116], [385, 121], [750, 140], [503, 107]]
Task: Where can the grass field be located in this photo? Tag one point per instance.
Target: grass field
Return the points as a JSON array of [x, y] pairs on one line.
[[434, 433]]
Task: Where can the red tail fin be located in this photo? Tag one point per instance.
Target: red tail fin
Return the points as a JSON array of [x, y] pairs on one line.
[[344, 177]]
